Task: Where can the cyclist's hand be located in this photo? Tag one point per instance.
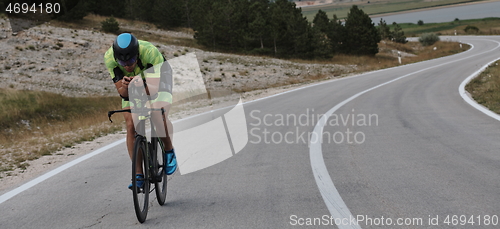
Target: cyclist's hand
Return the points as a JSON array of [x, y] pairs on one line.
[[137, 82], [126, 81]]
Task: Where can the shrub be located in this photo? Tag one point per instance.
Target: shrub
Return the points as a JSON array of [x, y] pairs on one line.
[[110, 25], [420, 22], [471, 29], [427, 39]]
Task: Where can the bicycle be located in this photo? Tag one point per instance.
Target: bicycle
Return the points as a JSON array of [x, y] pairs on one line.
[[150, 155]]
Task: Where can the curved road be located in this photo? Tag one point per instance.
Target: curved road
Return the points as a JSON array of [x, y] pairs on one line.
[[401, 146]]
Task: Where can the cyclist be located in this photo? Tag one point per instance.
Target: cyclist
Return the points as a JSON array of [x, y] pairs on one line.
[[132, 62]]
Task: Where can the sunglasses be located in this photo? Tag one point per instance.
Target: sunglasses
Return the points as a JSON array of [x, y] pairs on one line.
[[129, 62]]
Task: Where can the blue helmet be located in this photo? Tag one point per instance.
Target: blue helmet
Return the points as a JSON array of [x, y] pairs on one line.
[[125, 47]]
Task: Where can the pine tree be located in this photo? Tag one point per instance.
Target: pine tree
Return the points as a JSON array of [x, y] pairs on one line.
[[188, 11], [320, 39], [398, 35], [140, 9], [107, 8], [337, 35], [233, 23], [277, 25], [168, 13], [258, 21], [384, 30], [290, 29], [361, 35], [205, 23], [321, 21], [73, 10]]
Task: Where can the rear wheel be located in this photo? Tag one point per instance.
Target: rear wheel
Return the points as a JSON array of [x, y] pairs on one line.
[[161, 161], [141, 195]]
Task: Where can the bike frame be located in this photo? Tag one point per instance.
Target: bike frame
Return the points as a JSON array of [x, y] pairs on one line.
[[151, 171], [140, 131]]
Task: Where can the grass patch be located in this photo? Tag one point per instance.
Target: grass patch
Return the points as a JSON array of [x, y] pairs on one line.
[[485, 88], [36, 123], [486, 26]]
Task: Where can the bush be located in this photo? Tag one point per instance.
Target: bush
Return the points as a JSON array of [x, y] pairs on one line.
[[110, 25], [420, 22], [471, 29], [427, 39]]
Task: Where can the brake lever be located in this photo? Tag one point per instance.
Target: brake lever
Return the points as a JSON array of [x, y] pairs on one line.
[[109, 115]]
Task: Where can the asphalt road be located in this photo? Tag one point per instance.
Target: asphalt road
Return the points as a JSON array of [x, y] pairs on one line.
[[401, 146]]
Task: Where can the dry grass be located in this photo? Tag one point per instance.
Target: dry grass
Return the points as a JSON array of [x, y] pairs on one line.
[[38, 123], [485, 88], [413, 52]]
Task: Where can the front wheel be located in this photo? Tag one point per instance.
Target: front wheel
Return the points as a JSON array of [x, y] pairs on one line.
[[161, 162], [140, 194]]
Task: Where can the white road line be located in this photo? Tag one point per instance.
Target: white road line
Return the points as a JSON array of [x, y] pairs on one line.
[[337, 207], [54, 172]]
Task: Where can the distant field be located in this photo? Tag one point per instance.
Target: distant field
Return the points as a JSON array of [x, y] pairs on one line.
[[486, 26], [373, 7]]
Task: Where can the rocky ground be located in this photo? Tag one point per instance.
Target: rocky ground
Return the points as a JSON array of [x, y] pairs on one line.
[[70, 62]]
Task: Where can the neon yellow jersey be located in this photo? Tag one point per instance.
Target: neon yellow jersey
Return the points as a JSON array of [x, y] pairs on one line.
[[149, 65], [149, 56]]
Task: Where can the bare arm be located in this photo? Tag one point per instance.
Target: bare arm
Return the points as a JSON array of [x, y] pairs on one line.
[[122, 86], [151, 85]]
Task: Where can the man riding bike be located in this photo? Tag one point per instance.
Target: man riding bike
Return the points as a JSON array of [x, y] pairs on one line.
[[133, 62]]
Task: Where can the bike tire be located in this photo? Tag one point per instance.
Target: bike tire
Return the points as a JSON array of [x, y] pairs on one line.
[[140, 196], [161, 162]]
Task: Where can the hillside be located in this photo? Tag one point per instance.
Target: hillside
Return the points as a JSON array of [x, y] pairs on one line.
[[70, 62]]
